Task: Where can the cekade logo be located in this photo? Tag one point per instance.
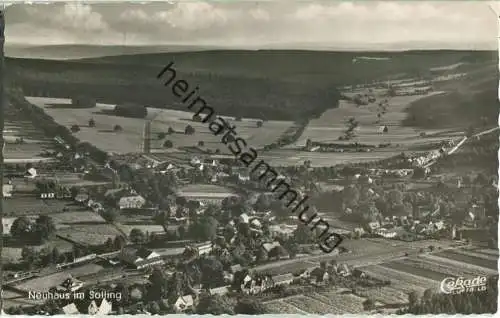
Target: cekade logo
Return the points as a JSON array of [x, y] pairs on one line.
[[458, 285]]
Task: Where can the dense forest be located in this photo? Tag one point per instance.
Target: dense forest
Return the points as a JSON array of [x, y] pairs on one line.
[[289, 85]]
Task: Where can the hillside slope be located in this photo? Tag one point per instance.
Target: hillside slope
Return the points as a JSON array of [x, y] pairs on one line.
[[288, 85]]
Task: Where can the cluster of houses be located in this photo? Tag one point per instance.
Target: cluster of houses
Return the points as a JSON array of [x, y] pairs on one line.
[[255, 283], [409, 91]]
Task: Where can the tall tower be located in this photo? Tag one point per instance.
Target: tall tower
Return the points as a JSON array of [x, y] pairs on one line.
[[147, 138]]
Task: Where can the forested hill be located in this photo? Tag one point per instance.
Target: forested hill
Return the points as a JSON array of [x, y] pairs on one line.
[[288, 85]]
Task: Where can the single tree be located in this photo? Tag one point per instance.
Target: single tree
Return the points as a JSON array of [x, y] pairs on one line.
[[137, 236], [110, 215], [189, 130], [117, 128], [168, 144], [75, 128]]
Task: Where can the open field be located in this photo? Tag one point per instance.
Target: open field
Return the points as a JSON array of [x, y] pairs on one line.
[[130, 139], [403, 281], [422, 272], [44, 283], [481, 269], [435, 266], [20, 205], [77, 217], [330, 126], [487, 251], [90, 234], [146, 228], [289, 157], [310, 305], [387, 294], [345, 303]]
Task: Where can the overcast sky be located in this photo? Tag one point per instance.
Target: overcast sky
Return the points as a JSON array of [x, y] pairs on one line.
[[468, 24]]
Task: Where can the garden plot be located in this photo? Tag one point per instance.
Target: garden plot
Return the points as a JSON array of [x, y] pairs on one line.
[[77, 217], [311, 305], [401, 266], [434, 266], [460, 264], [281, 307], [468, 259], [474, 254], [387, 294], [343, 303], [405, 281]]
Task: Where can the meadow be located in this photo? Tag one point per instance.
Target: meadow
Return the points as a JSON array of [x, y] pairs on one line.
[[332, 124], [130, 139]]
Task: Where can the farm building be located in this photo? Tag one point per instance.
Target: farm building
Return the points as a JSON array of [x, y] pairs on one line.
[[131, 202], [140, 258]]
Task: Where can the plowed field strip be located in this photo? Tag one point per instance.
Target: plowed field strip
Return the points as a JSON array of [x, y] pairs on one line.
[[468, 259], [460, 264]]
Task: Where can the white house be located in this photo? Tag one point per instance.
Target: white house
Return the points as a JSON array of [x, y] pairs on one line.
[[99, 307], [244, 218], [31, 173], [140, 258], [131, 202], [183, 303], [203, 248]]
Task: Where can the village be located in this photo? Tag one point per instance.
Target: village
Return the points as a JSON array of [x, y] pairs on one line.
[[207, 227]]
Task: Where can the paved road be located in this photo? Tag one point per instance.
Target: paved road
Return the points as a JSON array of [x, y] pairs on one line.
[[462, 142]]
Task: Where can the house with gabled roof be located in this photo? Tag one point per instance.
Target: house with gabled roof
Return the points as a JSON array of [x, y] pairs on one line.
[[70, 309], [140, 258], [100, 307], [183, 303]]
